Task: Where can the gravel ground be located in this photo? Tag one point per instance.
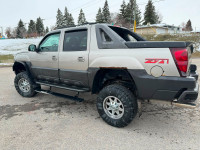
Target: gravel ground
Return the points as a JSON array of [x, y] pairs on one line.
[[49, 122]]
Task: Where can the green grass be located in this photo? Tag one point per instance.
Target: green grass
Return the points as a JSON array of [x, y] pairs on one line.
[[6, 58], [173, 37]]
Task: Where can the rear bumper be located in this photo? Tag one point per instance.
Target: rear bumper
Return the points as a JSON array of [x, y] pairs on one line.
[[183, 90], [189, 96]]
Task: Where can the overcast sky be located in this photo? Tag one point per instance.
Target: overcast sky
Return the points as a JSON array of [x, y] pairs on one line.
[[173, 11]]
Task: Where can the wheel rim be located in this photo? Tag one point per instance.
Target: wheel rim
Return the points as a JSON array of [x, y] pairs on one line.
[[113, 107], [24, 85]]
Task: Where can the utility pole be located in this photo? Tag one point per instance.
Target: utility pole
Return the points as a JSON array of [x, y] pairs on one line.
[[134, 16]]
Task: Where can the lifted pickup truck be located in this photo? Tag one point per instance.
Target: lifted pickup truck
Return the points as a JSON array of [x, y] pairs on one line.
[[113, 62]]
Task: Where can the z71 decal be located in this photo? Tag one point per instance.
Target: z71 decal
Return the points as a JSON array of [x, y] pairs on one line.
[[156, 60]]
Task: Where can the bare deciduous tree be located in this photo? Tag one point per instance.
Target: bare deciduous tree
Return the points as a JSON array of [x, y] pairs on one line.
[[14, 33], [114, 17], [8, 32], [183, 24], [52, 28], [160, 17]]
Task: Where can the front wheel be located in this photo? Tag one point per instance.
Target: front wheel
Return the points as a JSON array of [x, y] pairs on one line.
[[117, 105], [24, 85]]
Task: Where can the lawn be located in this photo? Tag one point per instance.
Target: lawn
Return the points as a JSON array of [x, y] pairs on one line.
[[6, 58]]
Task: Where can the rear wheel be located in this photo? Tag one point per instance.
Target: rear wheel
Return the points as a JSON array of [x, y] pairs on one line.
[[117, 105], [24, 85]]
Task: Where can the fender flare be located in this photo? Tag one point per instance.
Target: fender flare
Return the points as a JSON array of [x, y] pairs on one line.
[[26, 65]]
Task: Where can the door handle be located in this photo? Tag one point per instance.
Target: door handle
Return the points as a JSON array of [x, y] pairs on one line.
[[54, 58], [81, 59]]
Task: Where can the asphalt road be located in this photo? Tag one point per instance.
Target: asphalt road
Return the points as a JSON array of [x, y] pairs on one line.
[[49, 122]]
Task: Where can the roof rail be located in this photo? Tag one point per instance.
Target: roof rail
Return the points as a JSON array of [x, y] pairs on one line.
[[87, 23], [65, 27]]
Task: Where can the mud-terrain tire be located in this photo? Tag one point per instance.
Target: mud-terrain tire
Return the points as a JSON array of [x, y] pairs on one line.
[[117, 105], [25, 85]]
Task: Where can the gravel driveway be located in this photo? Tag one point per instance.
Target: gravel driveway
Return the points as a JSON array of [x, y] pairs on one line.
[[49, 122]]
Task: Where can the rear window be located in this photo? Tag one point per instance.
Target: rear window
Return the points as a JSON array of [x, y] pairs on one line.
[[104, 36], [75, 40]]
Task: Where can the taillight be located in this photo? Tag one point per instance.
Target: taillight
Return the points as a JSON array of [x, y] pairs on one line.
[[180, 56]]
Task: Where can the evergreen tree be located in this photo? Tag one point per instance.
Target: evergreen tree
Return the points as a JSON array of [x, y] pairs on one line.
[[188, 26], [81, 18], [66, 17], [106, 13], [31, 27], [47, 30], [122, 13], [71, 20], [21, 30], [99, 16], [59, 19], [39, 26], [129, 12], [121, 17], [150, 15]]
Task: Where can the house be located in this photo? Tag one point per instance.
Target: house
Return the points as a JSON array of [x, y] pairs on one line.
[[1, 36], [158, 29], [196, 31]]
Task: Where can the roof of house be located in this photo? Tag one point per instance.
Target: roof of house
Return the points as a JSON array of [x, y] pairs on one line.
[[162, 25]]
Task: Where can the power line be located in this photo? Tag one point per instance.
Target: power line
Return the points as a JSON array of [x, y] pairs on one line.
[[77, 8], [92, 2], [91, 13], [84, 5], [153, 2]]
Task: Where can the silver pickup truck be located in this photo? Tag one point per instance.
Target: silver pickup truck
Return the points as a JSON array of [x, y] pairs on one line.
[[113, 62]]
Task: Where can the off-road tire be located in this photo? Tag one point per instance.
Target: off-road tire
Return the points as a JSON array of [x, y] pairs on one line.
[[128, 100], [33, 86]]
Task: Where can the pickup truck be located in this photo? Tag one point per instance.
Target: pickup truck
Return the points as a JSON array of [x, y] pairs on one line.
[[118, 65]]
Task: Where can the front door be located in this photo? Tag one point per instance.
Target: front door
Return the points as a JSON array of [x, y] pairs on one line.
[[73, 60], [44, 64]]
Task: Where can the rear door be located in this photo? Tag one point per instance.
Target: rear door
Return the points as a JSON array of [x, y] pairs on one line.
[[44, 64], [73, 59]]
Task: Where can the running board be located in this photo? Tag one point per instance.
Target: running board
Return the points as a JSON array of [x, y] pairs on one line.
[[74, 98], [63, 87]]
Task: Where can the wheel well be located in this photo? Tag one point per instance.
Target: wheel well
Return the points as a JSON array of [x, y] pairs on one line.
[[105, 77], [19, 67]]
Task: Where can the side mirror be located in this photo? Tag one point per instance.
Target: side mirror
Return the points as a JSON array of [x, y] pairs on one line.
[[32, 48]]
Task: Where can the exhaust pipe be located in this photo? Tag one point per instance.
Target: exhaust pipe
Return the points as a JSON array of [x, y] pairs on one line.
[[174, 103], [191, 106]]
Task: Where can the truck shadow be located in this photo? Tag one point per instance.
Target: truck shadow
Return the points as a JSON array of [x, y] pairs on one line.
[[49, 104]]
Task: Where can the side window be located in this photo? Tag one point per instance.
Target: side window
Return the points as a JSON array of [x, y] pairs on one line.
[[50, 43], [75, 41], [104, 36]]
